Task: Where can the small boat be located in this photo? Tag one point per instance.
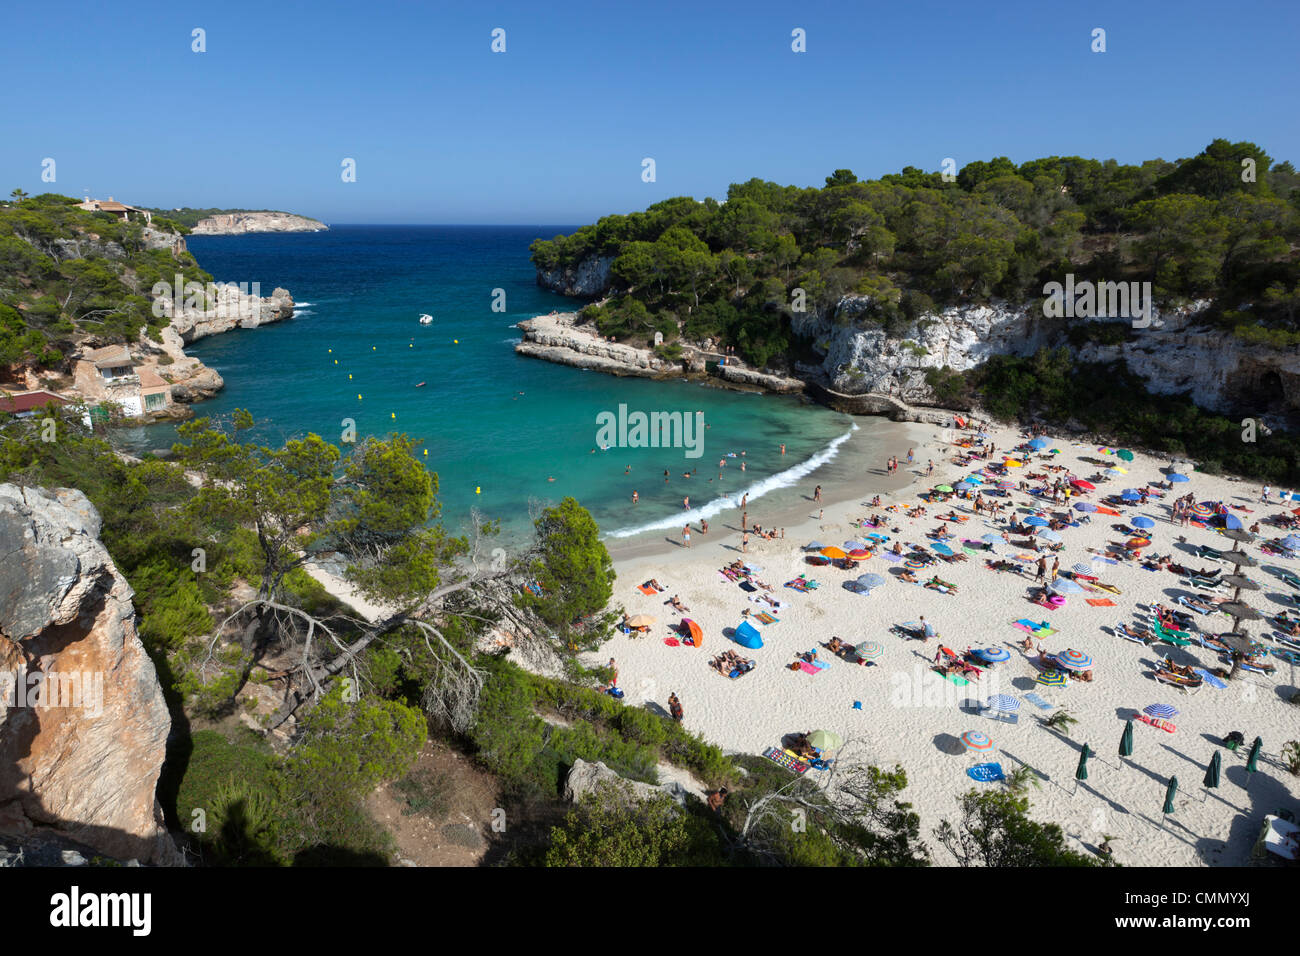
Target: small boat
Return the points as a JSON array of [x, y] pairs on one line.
[[426, 319], [419, 385]]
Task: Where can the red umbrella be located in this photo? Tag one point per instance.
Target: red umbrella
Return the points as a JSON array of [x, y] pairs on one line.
[[1085, 485]]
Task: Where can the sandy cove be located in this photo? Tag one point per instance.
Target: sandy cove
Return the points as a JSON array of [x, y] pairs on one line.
[[910, 715]]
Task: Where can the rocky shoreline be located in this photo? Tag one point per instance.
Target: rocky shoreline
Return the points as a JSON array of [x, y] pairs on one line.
[[243, 223]]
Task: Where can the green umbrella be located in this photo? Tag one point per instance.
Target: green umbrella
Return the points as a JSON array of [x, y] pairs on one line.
[[1081, 771], [1125, 454], [1212, 773], [1126, 741], [825, 740], [1252, 760], [1170, 793], [943, 488]]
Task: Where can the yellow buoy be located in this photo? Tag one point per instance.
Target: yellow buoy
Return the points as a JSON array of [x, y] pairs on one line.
[[331, 351], [336, 361], [411, 346], [358, 398], [455, 341], [426, 453], [477, 490], [372, 348], [349, 376], [394, 414]]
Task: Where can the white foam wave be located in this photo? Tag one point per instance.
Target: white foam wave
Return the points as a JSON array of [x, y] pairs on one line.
[[782, 479]]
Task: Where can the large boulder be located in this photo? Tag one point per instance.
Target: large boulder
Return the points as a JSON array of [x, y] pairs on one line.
[[585, 778], [81, 755]]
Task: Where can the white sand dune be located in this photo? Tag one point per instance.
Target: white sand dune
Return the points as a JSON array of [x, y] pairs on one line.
[[910, 715]]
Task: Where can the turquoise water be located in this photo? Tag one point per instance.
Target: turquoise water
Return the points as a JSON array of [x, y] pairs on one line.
[[360, 290]]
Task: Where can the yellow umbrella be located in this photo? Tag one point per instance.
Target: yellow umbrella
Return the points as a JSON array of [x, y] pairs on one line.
[[641, 620], [835, 553], [1012, 463]]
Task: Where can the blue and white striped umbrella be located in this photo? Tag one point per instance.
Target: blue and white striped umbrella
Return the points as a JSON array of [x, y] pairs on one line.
[[1073, 660], [975, 740], [855, 545], [1178, 477], [1036, 521], [1002, 702], [993, 654], [1082, 569], [1162, 711], [1065, 586], [1049, 535], [1142, 522]]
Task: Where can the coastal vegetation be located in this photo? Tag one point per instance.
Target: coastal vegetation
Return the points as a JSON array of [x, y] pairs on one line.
[[69, 276]]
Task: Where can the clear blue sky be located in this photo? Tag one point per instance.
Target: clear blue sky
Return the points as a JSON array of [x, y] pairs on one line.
[[554, 130]]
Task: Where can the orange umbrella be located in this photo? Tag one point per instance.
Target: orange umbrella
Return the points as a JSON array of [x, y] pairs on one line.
[[697, 633], [835, 553], [1135, 543]]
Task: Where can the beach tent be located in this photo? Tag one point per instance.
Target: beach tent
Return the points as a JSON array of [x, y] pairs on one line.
[[694, 630], [747, 636], [1231, 522]]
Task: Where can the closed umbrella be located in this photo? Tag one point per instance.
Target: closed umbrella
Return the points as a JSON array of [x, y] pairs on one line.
[[1252, 760], [1126, 739], [977, 741], [1212, 773], [825, 740], [1170, 792], [1081, 771], [1142, 522], [993, 654]]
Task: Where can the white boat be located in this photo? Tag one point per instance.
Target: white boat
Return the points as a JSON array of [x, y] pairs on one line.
[[426, 319]]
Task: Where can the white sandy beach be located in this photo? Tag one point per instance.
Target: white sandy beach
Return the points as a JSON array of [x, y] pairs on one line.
[[910, 715]]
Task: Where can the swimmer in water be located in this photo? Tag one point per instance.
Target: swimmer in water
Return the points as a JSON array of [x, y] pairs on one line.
[[550, 479], [635, 498], [627, 470]]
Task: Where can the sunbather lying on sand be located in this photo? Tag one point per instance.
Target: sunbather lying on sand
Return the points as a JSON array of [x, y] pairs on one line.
[[908, 576], [677, 604], [652, 583]]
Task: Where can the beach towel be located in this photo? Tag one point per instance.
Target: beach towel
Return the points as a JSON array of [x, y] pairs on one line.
[[808, 668], [1100, 602], [1209, 678], [746, 586], [1038, 702], [1033, 628], [1101, 510], [986, 773], [645, 590], [672, 642], [765, 618], [959, 681], [783, 759]]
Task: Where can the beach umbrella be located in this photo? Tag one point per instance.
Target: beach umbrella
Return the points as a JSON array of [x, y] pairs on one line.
[[1136, 544], [1125, 454], [696, 632], [1130, 495], [1142, 522], [1052, 679], [1170, 792], [1231, 522], [990, 538], [943, 489], [1239, 536], [1049, 535], [1004, 703], [1085, 485], [835, 553], [1239, 582], [825, 740], [1160, 711], [1081, 771], [870, 650], [1175, 476], [1081, 569], [965, 485], [993, 654], [813, 546], [981, 436], [1240, 558], [1126, 739], [1084, 506], [1036, 521], [1038, 444], [1007, 485], [1065, 586], [1203, 511], [977, 741], [1073, 660], [1114, 472], [1213, 771], [870, 580], [1252, 759], [1291, 542], [1242, 612], [640, 620], [854, 545], [1013, 463], [859, 554]]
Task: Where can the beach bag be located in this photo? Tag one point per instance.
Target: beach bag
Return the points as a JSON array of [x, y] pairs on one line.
[[615, 693]]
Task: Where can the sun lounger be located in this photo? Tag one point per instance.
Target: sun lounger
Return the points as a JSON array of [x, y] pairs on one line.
[[1186, 602], [1002, 715], [1157, 722], [1100, 602], [1210, 679], [1038, 702], [1205, 551]]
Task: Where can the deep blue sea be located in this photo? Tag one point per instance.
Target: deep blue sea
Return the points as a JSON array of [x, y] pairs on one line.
[[497, 426]]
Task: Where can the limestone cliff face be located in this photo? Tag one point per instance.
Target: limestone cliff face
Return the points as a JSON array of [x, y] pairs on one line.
[[241, 223], [589, 279], [558, 338], [83, 761]]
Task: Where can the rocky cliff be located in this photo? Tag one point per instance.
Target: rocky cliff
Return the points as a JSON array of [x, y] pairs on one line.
[[559, 338], [589, 279], [83, 758], [242, 223]]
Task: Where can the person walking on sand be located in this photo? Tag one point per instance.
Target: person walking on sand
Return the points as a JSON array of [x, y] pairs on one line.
[[686, 536], [744, 500], [909, 456], [929, 468], [817, 493], [744, 520], [1263, 495], [744, 542]]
